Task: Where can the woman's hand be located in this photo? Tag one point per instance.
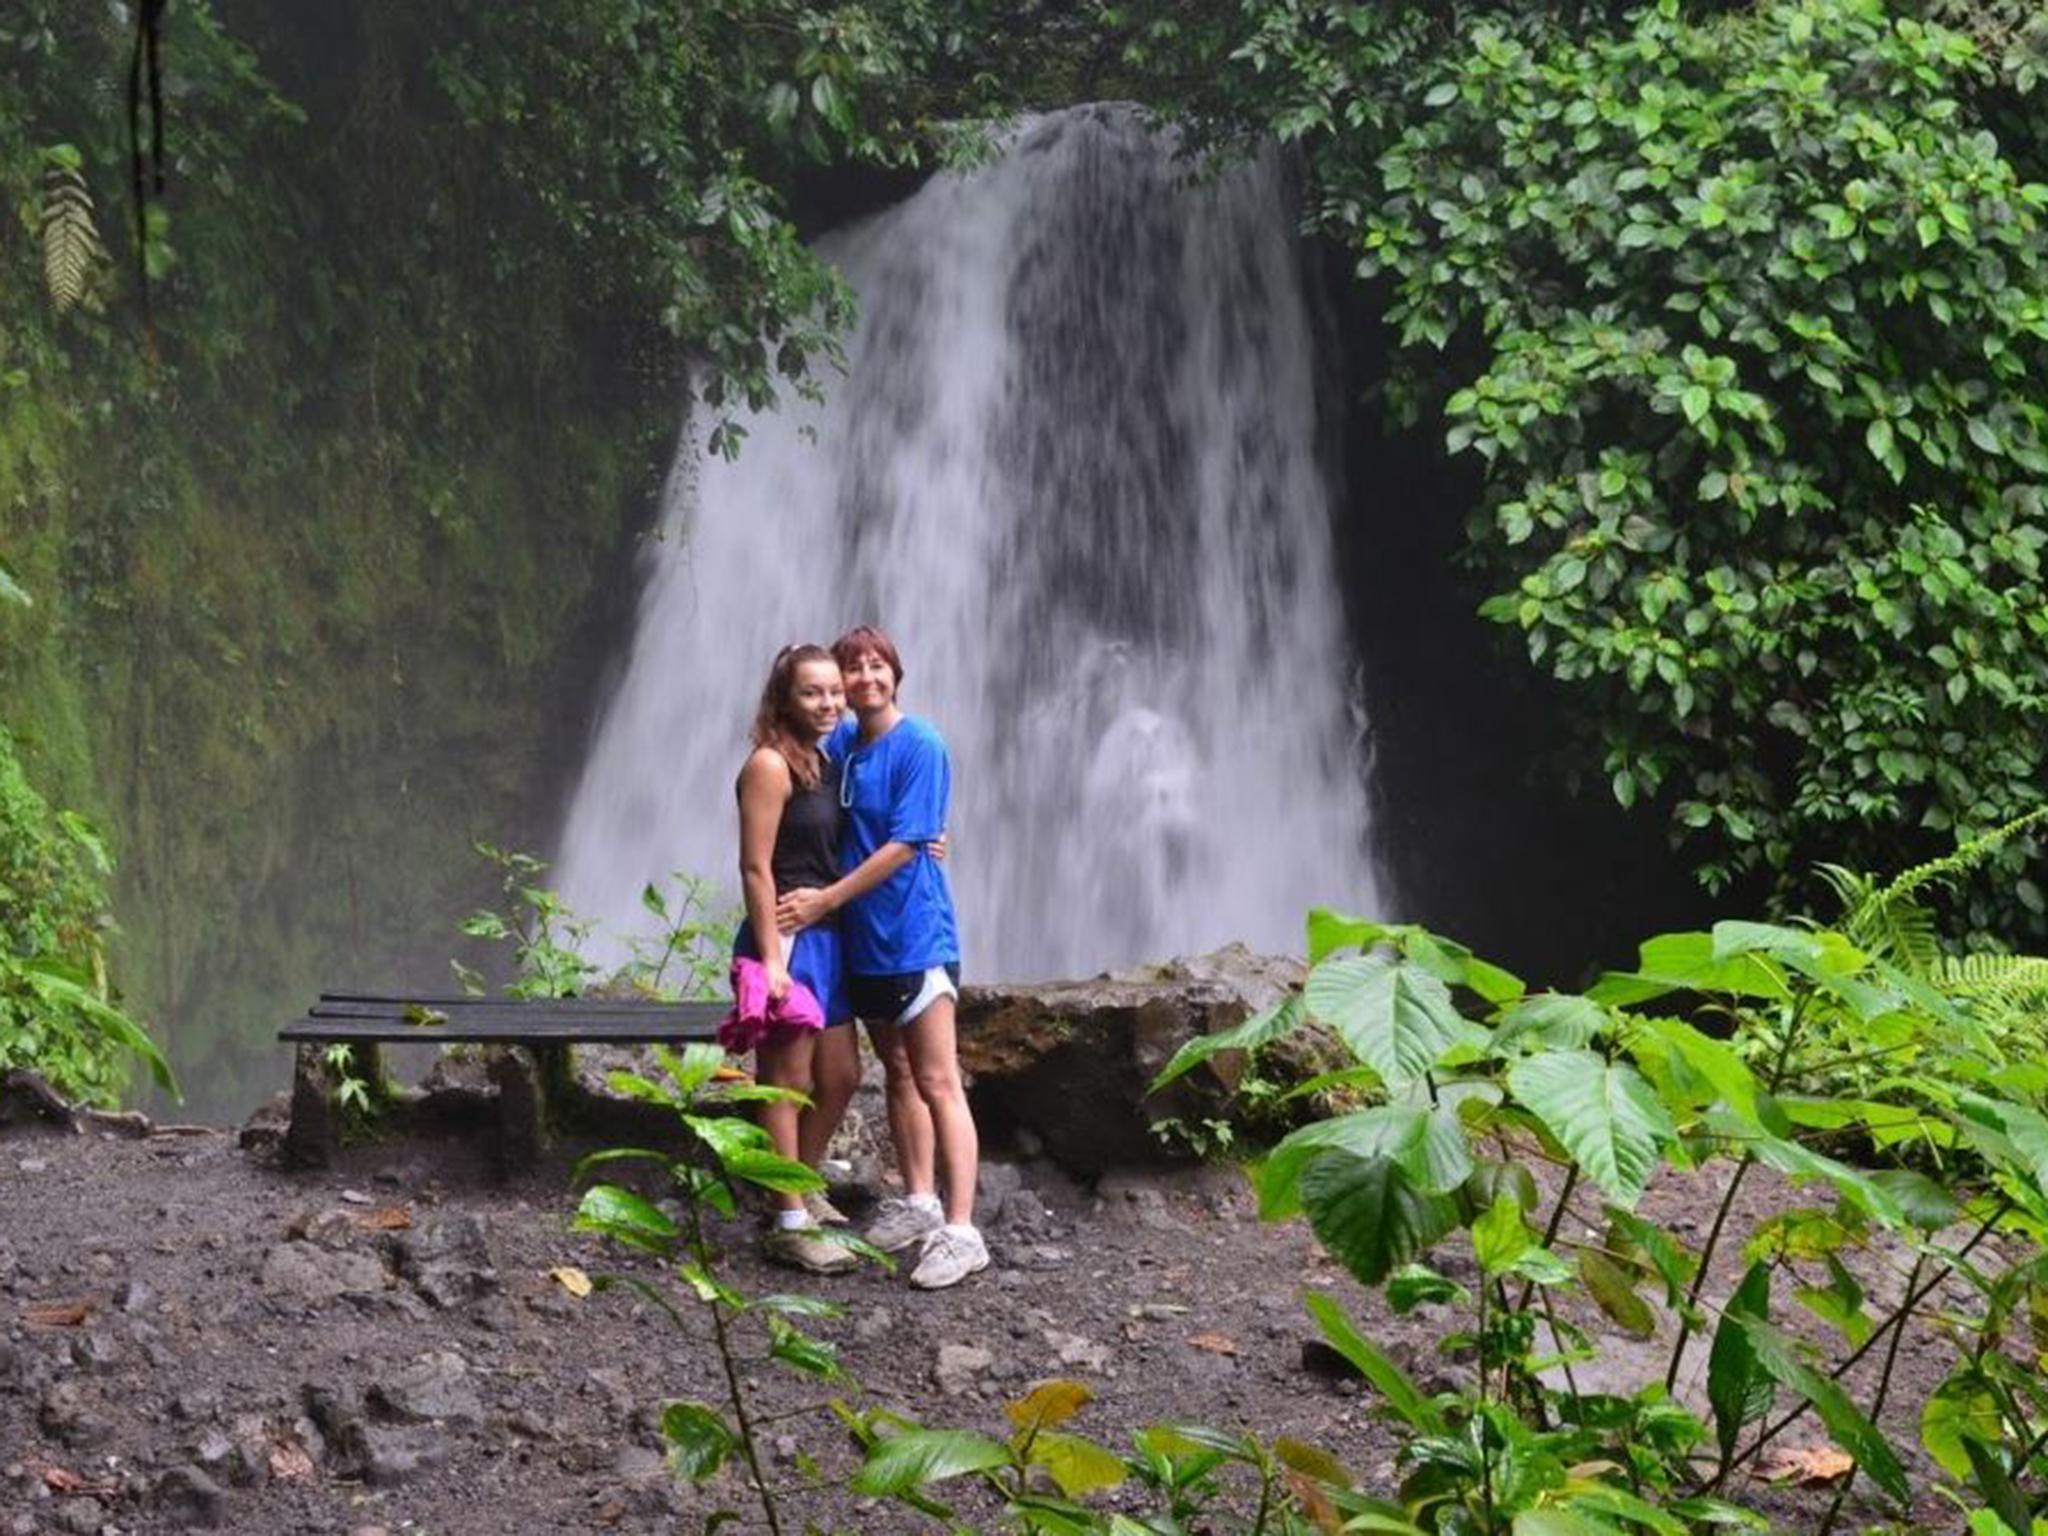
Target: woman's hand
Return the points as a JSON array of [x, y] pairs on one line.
[[800, 909], [778, 980], [937, 848]]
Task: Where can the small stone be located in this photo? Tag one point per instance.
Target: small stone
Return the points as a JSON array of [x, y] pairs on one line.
[[436, 1386], [214, 1448], [393, 1455], [316, 1274], [874, 1323], [66, 1416], [1076, 1352], [95, 1351], [34, 1165], [191, 1498], [356, 1197], [608, 1383], [80, 1517], [200, 1403], [959, 1366]]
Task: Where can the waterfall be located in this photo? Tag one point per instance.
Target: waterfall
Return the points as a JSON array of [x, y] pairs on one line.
[[1072, 471]]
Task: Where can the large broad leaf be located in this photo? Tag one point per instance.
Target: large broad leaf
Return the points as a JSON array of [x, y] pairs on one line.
[[1603, 1113], [1330, 931], [1370, 1215], [771, 1170], [1262, 1028], [1456, 966], [1428, 1143], [1078, 1465], [699, 1440], [1559, 1020], [1685, 962], [625, 1217], [919, 1457], [2020, 1136], [1960, 1410], [1395, 1016], [1725, 1074], [1613, 1289], [60, 987], [1407, 1400], [1049, 1403], [1777, 1355], [1739, 1390], [1798, 1161]]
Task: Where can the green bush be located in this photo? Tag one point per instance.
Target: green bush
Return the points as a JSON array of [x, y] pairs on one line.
[[58, 1015]]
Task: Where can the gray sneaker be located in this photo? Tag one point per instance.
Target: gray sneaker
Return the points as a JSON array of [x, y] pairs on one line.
[[823, 1211], [804, 1248], [898, 1224], [950, 1255]]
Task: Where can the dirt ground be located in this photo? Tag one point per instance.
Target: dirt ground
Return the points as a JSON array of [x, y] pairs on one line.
[[192, 1336]]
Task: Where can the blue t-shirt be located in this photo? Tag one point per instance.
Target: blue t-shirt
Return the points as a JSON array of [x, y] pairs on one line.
[[896, 789]]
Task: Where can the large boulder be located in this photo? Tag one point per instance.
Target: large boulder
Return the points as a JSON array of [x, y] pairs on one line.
[[1067, 1062]]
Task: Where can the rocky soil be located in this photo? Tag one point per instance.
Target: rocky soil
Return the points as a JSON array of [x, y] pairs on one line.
[[193, 1336]]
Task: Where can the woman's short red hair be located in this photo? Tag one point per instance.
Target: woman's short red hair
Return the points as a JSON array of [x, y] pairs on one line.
[[860, 640]]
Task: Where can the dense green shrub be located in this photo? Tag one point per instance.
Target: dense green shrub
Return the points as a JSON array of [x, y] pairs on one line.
[[1742, 313], [58, 1015]]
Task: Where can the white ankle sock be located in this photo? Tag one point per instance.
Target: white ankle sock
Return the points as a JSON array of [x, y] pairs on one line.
[[925, 1202], [960, 1229], [793, 1221]]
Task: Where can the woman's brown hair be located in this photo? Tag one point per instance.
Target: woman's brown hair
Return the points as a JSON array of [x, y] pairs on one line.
[[778, 726]]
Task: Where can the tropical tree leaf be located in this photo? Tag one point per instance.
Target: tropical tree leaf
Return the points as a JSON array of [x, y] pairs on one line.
[[1262, 1028], [1429, 1144], [919, 1457], [1739, 1390], [699, 1439], [1370, 1214], [1778, 1357], [1414, 1407], [1603, 1113], [1396, 1017]]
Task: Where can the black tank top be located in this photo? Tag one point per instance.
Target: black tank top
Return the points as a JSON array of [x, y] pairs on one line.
[[807, 843]]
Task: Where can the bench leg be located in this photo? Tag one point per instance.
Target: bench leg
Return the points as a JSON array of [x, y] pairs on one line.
[[314, 1135], [521, 1081]]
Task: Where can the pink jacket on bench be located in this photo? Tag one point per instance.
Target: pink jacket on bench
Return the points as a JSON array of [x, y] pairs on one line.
[[754, 1013]]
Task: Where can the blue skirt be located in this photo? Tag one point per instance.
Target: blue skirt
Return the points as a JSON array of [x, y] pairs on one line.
[[815, 960]]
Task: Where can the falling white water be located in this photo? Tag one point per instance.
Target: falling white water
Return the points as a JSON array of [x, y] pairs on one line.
[[1073, 473]]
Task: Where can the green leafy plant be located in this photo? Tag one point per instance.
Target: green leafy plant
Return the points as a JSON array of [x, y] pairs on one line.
[[59, 1014], [1737, 313], [730, 1154], [548, 944], [1527, 1126]]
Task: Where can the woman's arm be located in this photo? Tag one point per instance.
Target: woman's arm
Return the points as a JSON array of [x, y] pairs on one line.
[[799, 909], [764, 790]]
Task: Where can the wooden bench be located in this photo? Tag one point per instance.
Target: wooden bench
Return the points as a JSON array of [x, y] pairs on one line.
[[529, 1059]]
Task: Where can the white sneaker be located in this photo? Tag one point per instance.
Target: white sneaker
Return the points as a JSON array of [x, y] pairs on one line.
[[900, 1224], [950, 1255], [823, 1211], [806, 1248]]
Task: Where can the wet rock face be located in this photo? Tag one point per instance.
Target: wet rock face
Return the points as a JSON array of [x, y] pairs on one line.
[[1066, 1063]]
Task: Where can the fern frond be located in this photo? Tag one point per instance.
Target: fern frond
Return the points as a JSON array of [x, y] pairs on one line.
[[1969, 856], [71, 239], [2002, 990]]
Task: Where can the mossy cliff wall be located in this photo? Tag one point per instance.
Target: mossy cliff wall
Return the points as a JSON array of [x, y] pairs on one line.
[[316, 590]]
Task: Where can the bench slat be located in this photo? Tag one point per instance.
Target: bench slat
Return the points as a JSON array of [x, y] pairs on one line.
[[693, 1021], [361, 1005]]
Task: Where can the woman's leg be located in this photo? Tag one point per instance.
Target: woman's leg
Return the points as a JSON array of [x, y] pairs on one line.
[[910, 1120], [835, 1074], [932, 1050], [784, 1060]]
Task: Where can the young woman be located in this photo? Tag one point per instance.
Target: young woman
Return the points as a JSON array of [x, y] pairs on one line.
[[902, 951], [790, 827]]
